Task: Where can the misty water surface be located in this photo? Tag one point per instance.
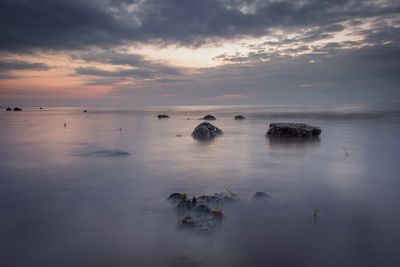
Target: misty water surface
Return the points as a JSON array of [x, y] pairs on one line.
[[92, 194]]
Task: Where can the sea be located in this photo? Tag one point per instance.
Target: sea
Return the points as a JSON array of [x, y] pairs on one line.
[[90, 188]]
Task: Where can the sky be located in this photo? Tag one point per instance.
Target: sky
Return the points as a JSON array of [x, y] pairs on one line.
[[196, 52]]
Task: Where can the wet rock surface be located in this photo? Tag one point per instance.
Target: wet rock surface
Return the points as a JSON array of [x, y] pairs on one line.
[[292, 130], [206, 131], [201, 214], [163, 116], [209, 118]]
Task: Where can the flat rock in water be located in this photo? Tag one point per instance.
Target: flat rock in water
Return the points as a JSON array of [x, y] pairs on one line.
[[162, 116], [292, 130], [240, 117], [107, 153], [209, 118], [206, 131]]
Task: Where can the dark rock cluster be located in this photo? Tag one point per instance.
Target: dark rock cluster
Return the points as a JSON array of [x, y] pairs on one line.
[[203, 213]]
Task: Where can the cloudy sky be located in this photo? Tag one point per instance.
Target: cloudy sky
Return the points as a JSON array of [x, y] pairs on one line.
[[183, 52]]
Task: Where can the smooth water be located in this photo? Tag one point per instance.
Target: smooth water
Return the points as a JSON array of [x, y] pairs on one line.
[[90, 194]]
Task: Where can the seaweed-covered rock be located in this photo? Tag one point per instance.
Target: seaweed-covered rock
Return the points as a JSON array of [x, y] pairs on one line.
[[206, 131], [240, 117], [163, 116], [17, 109], [292, 130], [209, 118]]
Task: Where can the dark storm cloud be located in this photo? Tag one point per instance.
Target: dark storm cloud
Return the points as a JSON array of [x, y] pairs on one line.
[[126, 66], [7, 66], [57, 24], [131, 60]]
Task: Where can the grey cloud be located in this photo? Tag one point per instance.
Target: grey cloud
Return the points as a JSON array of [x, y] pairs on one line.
[[127, 66], [7, 66], [120, 73], [58, 24], [131, 60]]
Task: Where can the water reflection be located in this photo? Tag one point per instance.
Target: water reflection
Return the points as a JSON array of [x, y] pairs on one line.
[[293, 142]]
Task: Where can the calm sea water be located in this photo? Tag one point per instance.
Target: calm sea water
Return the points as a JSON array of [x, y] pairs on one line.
[[67, 199]]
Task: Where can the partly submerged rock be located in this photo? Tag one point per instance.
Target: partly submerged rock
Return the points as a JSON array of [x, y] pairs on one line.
[[8, 109], [219, 197], [85, 111], [163, 116], [209, 118], [17, 109], [292, 130], [206, 131], [240, 117], [106, 152], [202, 208], [177, 197], [200, 214]]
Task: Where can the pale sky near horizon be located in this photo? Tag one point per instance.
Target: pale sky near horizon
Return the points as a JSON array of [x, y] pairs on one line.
[[175, 52]]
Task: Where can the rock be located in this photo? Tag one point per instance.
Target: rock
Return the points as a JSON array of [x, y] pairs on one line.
[[85, 110], [240, 117], [203, 209], [178, 197], [209, 118], [106, 152], [8, 109], [17, 109], [192, 215], [187, 222], [217, 214], [260, 195], [162, 116], [206, 131], [218, 197], [292, 130], [40, 108]]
